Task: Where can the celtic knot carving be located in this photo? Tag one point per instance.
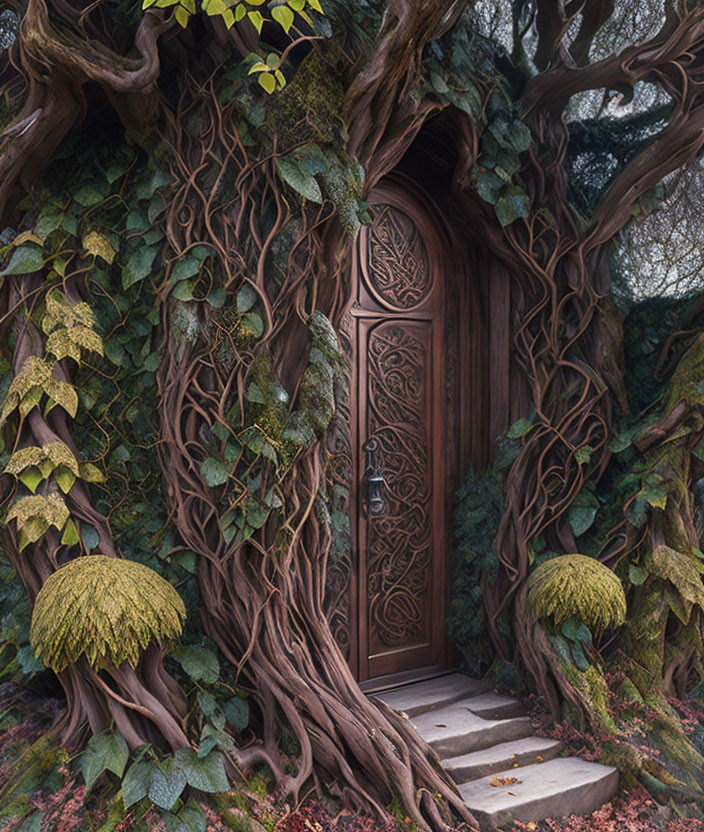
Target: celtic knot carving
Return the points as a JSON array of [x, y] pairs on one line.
[[399, 541], [398, 271]]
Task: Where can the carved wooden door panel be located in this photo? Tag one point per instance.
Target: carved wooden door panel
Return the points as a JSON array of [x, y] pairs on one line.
[[399, 405]]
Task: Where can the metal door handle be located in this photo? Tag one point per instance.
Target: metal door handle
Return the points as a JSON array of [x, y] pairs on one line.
[[374, 482]]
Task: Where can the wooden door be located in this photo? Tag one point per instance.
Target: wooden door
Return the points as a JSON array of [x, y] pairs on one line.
[[399, 410]]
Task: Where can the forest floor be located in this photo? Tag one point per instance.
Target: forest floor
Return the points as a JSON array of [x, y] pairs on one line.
[[59, 803]]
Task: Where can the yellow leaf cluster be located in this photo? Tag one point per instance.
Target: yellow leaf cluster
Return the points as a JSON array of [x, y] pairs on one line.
[[683, 573], [575, 586], [52, 508], [55, 453], [35, 514], [59, 312], [29, 457], [105, 609], [34, 464], [33, 381], [70, 328], [99, 246]]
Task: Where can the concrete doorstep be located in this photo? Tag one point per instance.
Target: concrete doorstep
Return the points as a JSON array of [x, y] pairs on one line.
[[503, 771]]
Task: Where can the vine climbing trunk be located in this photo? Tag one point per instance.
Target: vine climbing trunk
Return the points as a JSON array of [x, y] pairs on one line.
[[92, 702], [263, 606]]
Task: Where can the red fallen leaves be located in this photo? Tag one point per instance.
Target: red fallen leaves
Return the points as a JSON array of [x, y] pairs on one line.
[[629, 811], [314, 818]]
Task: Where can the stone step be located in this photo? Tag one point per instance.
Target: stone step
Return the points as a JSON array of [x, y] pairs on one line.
[[421, 697], [554, 789], [494, 706], [527, 751], [455, 730]]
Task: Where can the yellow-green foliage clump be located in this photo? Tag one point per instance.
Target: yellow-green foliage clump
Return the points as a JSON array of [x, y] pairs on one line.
[[575, 586], [104, 609], [684, 573]]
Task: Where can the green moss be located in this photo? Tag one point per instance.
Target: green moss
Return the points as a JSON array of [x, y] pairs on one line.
[[259, 785], [237, 820], [625, 757], [575, 586], [628, 692], [593, 689], [688, 380], [35, 767], [309, 108]]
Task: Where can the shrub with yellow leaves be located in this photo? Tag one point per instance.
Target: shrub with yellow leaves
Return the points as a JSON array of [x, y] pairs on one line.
[[105, 609]]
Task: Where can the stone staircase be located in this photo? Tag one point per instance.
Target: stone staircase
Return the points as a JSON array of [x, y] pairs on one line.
[[486, 743]]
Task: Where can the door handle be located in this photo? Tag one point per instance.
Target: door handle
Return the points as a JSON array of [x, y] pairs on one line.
[[374, 482]]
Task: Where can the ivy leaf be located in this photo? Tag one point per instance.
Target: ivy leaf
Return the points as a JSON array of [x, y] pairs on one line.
[[255, 511], [283, 16], [514, 204], [236, 712], [136, 221], [135, 784], [90, 472], [184, 290], [519, 428], [300, 181], [90, 536], [246, 298], [578, 657], [637, 575], [439, 83], [115, 352], [206, 774], [217, 297], [208, 704], [254, 394], [256, 20], [186, 267], [654, 492], [70, 537], [48, 221], [193, 818], [65, 478], [166, 784], [88, 196], [199, 663], [28, 661], [215, 472], [149, 186], [561, 648], [25, 260], [581, 518], [105, 752], [31, 477], [582, 512], [186, 560], [138, 265], [268, 82], [212, 738], [255, 324], [519, 136]]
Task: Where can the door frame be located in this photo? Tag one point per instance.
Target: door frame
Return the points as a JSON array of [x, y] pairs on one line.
[[400, 192]]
